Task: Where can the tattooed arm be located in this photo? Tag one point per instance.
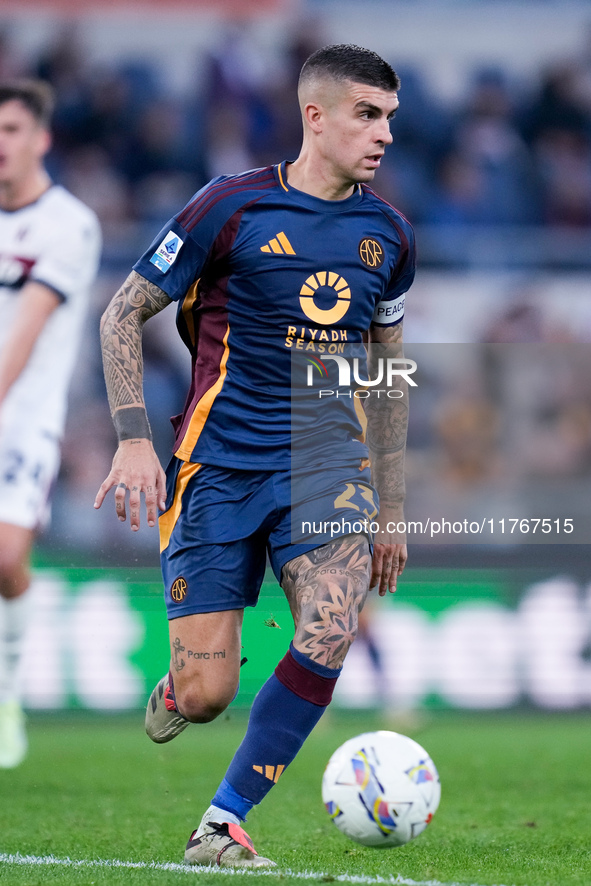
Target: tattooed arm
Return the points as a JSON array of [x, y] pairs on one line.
[[135, 466], [387, 421]]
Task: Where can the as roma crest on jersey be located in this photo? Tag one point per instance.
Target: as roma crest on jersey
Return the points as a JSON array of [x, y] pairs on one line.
[[371, 253], [178, 591]]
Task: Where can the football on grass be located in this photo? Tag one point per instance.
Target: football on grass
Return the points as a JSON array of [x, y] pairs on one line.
[[381, 789]]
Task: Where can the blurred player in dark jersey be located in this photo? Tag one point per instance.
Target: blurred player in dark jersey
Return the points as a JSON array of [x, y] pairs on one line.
[[49, 251], [299, 258]]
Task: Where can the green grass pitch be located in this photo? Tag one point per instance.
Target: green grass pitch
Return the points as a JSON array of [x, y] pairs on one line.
[[515, 809]]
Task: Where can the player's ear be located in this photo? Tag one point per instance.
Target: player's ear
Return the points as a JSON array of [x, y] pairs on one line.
[[44, 141], [313, 116]]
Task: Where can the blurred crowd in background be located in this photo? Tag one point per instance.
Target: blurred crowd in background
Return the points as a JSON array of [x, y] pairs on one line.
[[509, 154], [511, 160]]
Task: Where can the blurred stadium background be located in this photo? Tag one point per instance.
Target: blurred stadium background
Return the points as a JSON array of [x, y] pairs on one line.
[[491, 162]]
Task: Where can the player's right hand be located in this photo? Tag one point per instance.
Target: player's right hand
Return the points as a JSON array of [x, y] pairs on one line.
[[136, 470]]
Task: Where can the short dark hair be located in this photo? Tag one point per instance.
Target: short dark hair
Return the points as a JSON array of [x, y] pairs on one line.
[[36, 95], [345, 61]]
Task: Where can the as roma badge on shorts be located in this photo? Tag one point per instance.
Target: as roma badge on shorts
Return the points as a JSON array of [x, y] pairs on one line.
[[178, 591], [371, 253]]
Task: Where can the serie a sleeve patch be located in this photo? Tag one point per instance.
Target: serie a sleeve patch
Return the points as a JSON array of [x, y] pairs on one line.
[[166, 254]]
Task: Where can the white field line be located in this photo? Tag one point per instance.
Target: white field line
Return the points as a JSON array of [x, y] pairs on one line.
[[282, 873]]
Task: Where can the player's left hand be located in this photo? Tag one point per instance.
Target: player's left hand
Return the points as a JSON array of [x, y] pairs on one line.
[[387, 564]]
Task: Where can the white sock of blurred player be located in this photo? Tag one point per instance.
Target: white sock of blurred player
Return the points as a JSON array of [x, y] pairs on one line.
[[14, 618]]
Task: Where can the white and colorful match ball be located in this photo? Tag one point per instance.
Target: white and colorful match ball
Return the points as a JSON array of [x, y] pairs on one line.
[[381, 789]]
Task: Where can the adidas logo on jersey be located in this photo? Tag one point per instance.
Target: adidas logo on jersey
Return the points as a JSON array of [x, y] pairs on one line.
[[270, 772], [280, 245]]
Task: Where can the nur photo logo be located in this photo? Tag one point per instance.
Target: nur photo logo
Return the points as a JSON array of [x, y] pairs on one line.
[[389, 370]]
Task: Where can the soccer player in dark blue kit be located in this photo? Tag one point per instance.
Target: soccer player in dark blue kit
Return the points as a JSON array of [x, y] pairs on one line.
[[302, 256]]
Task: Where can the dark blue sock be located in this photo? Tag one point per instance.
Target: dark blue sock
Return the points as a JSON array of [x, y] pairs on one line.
[[282, 716]]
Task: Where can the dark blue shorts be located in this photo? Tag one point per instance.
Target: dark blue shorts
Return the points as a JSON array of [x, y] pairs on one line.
[[220, 523]]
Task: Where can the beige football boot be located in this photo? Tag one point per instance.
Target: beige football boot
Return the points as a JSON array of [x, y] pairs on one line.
[[163, 721], [223, 845]]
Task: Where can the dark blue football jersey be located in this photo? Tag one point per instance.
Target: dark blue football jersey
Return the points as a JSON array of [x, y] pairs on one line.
[[260, 272]]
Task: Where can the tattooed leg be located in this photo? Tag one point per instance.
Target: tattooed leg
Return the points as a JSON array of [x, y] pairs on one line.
[[326, 589], [205, 662]]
